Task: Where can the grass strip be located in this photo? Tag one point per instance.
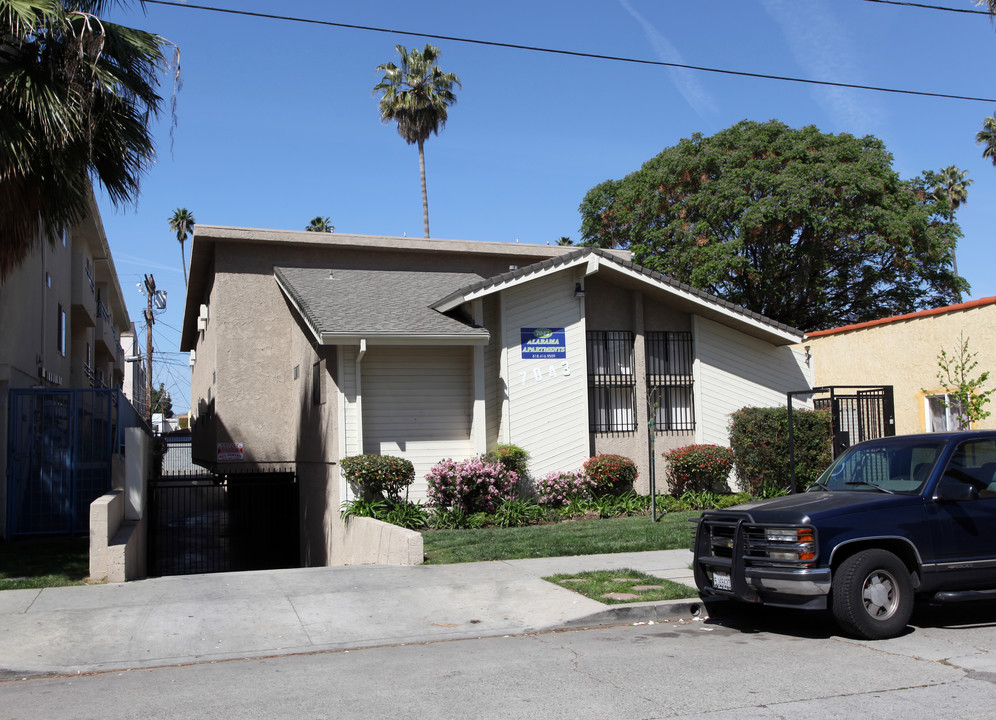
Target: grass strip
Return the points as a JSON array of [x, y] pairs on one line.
[[44, 562], [598, 584]]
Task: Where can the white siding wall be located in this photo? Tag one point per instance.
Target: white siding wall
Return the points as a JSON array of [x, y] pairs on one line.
[[548, 400], [350, 409], [734, 370], [417, 404]]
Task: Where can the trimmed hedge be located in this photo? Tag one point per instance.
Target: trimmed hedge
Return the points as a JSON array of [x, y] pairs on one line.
[[378, 475], [759, 438], [610, 473], [698, 468]]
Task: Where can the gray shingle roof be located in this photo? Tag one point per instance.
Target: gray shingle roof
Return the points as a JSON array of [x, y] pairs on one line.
[[375, 302], [704, 297]]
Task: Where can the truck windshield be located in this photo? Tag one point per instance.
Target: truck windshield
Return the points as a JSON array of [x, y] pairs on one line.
[[894, 465]]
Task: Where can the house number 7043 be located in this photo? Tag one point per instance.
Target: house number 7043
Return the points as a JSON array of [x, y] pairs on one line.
[[554, 371]]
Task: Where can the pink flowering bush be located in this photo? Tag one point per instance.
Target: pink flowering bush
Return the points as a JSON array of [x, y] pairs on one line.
[[610, 474], [557, 489], [698, 468], [475, 485]]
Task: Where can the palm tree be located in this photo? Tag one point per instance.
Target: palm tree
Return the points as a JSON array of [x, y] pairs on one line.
[[564, 240], [953, 185], [321, 224], [987, 137], [182, 223], [76, 98], [416, 95]]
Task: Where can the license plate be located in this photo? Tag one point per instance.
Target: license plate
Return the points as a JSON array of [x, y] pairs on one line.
[[721, 581]]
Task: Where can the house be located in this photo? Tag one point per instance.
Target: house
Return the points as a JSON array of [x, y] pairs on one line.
[[902, 351], [61, 318], [309, 347]]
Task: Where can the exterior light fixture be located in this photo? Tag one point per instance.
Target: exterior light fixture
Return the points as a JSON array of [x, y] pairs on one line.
[[578, 290]]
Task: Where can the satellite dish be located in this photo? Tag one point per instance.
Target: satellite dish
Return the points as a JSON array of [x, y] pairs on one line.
[[159, 299]]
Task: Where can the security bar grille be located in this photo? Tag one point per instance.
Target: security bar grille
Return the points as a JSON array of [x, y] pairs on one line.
[[611, 382], [669, 380]]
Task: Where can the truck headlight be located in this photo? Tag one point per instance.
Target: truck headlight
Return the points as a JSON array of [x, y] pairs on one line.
[[799, 543]]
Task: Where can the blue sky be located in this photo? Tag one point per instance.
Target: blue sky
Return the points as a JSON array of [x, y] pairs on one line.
[[276, 122]]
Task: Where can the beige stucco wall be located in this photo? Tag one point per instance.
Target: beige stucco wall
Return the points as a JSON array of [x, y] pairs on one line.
[[904, 354]]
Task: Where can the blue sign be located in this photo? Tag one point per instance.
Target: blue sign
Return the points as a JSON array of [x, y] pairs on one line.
[[543, 343]]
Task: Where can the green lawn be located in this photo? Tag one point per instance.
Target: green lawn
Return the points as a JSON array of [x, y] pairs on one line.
[[581, 537], [44, 562]]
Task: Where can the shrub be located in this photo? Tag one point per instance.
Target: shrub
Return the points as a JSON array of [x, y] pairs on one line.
[[698, 468], [475, 485], [511, 457], [558, 489], [759, 438], [378, 475], [610, 473]]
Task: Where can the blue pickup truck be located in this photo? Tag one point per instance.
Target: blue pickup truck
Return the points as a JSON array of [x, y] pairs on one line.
[[890, 519]]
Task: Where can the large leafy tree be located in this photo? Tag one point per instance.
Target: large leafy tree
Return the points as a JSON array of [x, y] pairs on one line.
[[182, 223], [416, 95], [810, 229], [77, 94]]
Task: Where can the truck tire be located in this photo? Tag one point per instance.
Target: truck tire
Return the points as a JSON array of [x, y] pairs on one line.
[[872, 595]]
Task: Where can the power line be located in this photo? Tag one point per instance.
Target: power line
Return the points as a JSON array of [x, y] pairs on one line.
[[930, 7], [572, 53]]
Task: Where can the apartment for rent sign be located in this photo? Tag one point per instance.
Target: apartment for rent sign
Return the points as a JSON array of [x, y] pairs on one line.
[[543, 343]]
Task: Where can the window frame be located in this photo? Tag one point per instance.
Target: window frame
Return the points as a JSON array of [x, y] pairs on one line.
[[670, 375], [611, 381]]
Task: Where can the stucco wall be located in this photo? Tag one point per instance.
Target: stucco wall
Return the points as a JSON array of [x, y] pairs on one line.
[[904, 354]]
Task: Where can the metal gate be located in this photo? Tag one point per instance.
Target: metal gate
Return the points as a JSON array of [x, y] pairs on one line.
[[859, 413], [60, 444], [206, 523]]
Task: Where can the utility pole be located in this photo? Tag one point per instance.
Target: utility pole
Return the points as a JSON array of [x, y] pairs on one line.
[[150, 291]]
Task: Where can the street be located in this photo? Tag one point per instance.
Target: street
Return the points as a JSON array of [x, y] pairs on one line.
[[745, 663]]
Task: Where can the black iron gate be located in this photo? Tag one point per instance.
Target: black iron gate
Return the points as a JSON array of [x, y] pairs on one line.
[[859, 413], [205, 523]]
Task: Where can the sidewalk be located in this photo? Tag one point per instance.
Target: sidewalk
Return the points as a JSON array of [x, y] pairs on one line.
[[204, 618]]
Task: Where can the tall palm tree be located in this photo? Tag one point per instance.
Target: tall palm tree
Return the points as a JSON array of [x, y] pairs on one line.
[[416, 95], [564, 240], [987, 137], [76, 97], [321, 224], [953, 185], [182, 223]]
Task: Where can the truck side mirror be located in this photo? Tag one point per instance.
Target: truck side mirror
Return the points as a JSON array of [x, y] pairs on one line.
[[952, 490]]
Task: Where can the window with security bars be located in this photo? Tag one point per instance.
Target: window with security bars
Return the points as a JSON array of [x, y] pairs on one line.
[[611, 382], [669, 380]]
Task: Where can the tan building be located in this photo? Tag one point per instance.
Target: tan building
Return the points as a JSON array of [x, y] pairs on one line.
[[61, 317], [902, 351], [308, 347]]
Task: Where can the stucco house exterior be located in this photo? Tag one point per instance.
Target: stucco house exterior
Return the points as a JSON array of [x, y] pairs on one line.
[[309, 347], [902, 351]]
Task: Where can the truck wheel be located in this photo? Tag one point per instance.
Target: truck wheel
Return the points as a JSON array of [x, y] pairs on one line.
[[872, 595]]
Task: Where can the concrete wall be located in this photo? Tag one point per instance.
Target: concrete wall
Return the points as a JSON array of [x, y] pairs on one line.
[[118, 521], [366, 541], [904, 354]]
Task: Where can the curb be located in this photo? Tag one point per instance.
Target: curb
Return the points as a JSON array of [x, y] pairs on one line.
[[662, 611]]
